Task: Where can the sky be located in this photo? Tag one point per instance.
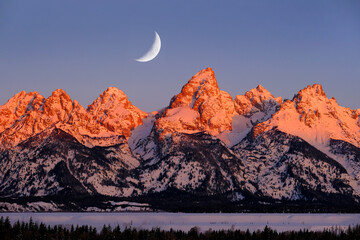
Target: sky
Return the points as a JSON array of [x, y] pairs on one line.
[[86, 46]]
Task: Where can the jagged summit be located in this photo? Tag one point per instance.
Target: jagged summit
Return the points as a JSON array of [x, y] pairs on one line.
[[109, 99], [110, 95], [59, 92], [205, 75], [114, 90], [114, 111], [200, 87], [260, 88], [311, 93], [257, 97], [200, 106]]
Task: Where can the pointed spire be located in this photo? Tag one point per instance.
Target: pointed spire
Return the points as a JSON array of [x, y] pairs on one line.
[[200, 87]]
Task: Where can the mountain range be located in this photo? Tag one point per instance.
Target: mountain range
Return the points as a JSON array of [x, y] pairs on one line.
[[205, 151]]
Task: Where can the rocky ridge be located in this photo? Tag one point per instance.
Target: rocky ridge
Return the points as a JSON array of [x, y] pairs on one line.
[[108, 117], [253, 148]]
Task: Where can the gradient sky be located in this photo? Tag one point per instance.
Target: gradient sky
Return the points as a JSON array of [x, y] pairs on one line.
[[87, 46]]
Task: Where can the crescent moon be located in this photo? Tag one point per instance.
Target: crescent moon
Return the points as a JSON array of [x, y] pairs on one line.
[[154, 50]]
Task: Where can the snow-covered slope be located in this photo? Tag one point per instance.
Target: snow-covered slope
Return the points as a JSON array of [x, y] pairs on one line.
[[282, 166], [55, 163], [195, 162]]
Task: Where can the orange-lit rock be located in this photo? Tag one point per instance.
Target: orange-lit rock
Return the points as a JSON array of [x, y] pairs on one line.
[[256, 99], [114, 111], [316, 119], [27, 114]]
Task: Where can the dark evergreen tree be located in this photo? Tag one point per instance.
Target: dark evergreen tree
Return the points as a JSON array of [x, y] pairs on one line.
[[37, 231]]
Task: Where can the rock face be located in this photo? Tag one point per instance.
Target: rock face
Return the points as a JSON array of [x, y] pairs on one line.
[[255, 148]]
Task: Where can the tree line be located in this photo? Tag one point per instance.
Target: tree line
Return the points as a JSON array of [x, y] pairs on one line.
[[32, 230]]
